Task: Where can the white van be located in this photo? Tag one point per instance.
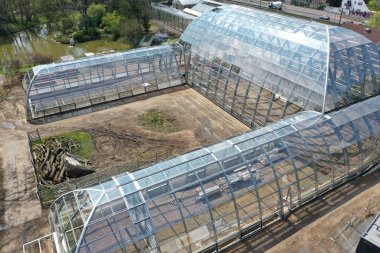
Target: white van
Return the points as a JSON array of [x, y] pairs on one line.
[[275, 5]]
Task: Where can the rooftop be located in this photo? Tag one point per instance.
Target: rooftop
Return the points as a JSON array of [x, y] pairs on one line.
[[373, 233]]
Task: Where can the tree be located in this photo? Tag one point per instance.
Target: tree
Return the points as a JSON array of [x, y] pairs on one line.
[[96, 12], [335, 3], [131, 29], [374, 20], [111, 22], [374, 5]]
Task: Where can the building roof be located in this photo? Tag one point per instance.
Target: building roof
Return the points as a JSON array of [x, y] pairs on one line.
[[187, 2], [314, 65], [172, 10], [372, 234], [202, 7]]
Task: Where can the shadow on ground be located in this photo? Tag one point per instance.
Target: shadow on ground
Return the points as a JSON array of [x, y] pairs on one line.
[[305, 215]]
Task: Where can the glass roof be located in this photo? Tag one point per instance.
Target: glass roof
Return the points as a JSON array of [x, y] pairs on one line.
[[316, 66], [187, 2], [173, 11], [201, 7], [197, 200], [93, 61]]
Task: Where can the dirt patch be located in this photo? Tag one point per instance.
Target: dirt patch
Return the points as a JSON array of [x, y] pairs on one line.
[[13, 238], [348, 200], [309, 228], [133, 150]]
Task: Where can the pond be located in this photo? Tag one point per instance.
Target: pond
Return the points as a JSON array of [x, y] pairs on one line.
[[40, 40]]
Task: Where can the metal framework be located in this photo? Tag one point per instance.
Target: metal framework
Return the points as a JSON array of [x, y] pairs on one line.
[[214, 196], [62, 87], [261, 66], [171, 17]]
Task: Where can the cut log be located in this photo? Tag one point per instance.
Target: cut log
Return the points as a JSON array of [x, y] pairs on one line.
[[41, 172], [53, 171], [46, 158], [56, 176], [48, 168], [43, 181], [61, 174], [50, 159]]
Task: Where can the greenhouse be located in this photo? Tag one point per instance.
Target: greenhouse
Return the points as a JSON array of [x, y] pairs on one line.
[[183, 4], [217, 195], [82, 84], [312, 88], [176, 19], [262, 67]]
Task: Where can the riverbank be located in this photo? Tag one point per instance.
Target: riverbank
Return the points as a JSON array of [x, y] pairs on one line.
[[22, 45]]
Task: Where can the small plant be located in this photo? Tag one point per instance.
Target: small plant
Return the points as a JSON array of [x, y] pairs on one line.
[[155, 120]]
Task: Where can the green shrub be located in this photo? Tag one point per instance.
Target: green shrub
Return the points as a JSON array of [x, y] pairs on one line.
[[67, 25], [86, 35], [111, 22], [96, 12], [335, 3], [131, 29]]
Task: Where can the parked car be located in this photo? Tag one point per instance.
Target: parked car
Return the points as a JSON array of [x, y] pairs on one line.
[[324, 17], [275, 5]]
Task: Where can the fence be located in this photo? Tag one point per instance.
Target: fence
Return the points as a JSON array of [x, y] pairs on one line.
[[349, 231]]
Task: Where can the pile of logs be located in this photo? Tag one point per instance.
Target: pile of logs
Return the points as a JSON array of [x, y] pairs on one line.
[[55, 162]]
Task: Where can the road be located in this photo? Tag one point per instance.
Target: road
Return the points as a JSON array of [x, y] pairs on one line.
[[295, 10]]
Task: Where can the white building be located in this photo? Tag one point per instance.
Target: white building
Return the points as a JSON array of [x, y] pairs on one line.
[[354, 5]]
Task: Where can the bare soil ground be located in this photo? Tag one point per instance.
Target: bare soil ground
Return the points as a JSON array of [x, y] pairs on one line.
[[308, 229], [118, 138]]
